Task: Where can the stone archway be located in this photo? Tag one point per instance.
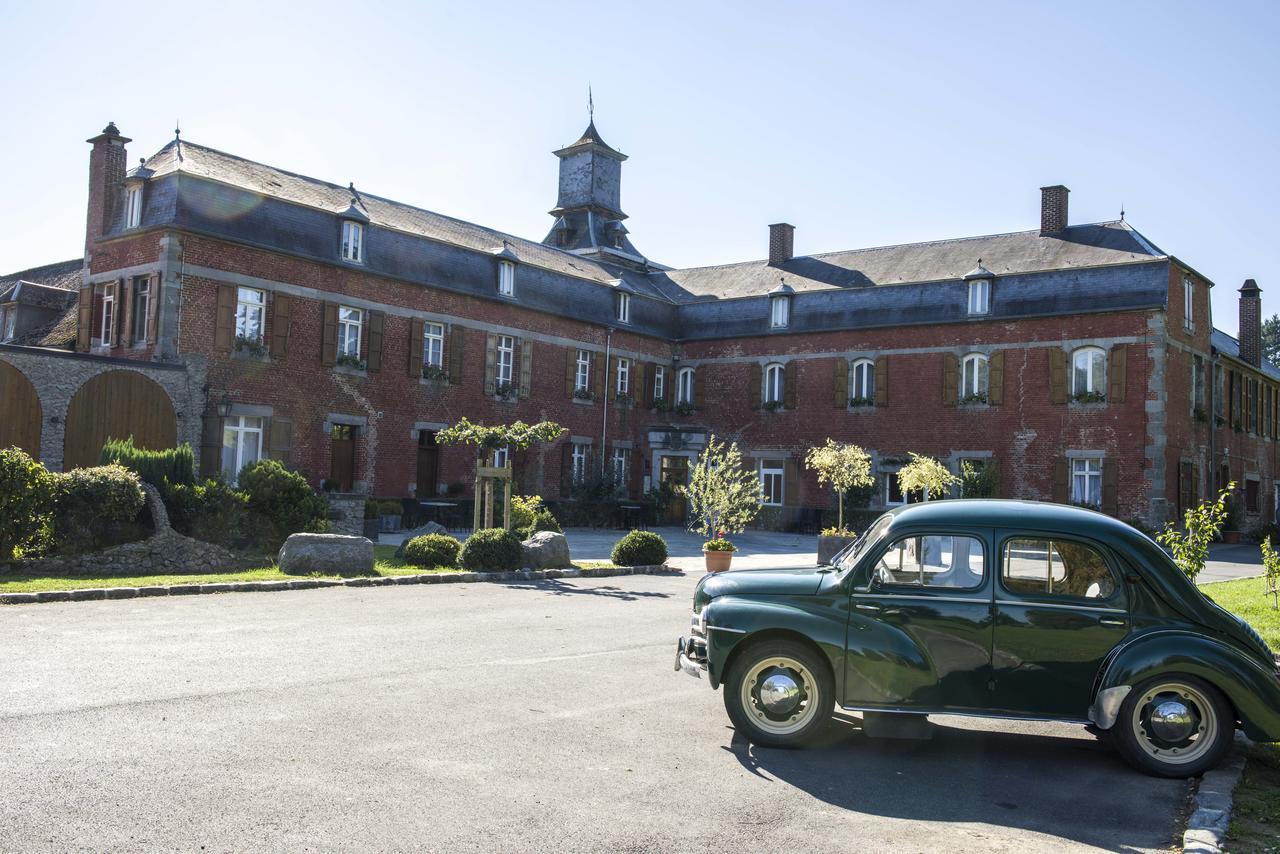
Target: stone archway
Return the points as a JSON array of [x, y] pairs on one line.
[[116, 405], [23, 416]]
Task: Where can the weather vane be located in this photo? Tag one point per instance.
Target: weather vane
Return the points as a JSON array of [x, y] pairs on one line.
[[591, 106]]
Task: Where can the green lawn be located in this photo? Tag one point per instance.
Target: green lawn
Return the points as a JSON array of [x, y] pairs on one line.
[[1244, 598]]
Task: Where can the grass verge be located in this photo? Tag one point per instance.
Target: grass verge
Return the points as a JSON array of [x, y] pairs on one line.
[[1244, 598]]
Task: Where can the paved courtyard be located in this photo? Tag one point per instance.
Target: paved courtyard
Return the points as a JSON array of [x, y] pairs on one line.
[[540, 716]]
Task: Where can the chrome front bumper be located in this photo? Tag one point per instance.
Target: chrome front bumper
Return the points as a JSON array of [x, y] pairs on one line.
[[691, 657]]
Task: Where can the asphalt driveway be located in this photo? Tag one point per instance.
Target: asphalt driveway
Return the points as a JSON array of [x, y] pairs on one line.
[[540, 716]]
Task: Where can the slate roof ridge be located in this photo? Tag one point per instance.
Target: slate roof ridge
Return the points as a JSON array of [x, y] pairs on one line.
[[32, 275]]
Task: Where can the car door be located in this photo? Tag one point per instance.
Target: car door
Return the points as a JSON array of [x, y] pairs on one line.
[[1061, 606], [920, 623]]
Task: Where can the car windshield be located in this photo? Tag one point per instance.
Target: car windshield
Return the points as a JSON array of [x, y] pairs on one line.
[[845, 559]]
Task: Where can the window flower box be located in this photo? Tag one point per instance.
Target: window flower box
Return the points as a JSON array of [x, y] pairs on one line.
[[348, 361], [435, 374], [1089, 397], [250, 346], [773, 405], [973, 399], [584, 394], [684, 409], [623, 399], [860, 402], [504, 391]]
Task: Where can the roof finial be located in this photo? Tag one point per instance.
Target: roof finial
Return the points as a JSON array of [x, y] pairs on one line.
[[591, 106], [177, 129], [979, 262], [1122, 210]]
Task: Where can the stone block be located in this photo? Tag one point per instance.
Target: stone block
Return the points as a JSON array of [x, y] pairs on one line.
[[334, 554], [88, 593], [545, 550], [122, 592]]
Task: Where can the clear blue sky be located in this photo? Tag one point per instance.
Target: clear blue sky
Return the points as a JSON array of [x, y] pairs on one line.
[[862, 123]]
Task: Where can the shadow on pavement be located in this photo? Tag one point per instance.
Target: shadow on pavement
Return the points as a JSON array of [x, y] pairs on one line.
[[560, 588], [1072, 788]]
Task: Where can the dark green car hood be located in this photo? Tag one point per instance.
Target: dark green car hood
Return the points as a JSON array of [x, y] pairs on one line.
[[804, 581]]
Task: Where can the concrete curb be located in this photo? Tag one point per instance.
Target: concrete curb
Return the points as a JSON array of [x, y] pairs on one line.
[[88, 594], [1211, 807]]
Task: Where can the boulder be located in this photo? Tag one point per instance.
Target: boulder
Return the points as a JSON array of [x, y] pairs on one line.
[[545, 550], [331, 554], [421, 530]]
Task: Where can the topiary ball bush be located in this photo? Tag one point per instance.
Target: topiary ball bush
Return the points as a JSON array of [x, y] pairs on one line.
[[431, 550], [26, 504], [640, 548], [95, 508], [491, 550]]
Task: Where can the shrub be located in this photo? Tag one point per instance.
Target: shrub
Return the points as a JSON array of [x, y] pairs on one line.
[[640, 548], [542, 521], [174, 465], [719, 545], [523, 510], [280, 502], [211, 511], [390, 507], [491, 550], [432, 550], [26, 493], [372, 508], [96, 507]]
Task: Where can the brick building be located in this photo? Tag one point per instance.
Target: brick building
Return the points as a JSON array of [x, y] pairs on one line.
[[338, 330]]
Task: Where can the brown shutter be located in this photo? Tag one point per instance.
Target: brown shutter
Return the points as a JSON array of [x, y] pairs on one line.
[[329, 334], [597, 381], [417, 331], [281, 438], [790, 384], [994, 465], [1057, 376], [280, 323], [756, 387], [211, 445], [377, 323], [84, 319], [840, 385], [1116, 373], [790, 483], [995, 378], [950, 379], [126, 313], [153, 308], [1061, 482], [566, 469], [454, 343], [491, 363], [1110, 487], [224, 325], [698, 383], [526, 367], [882, 381], [637, 472], [646, 391], [611, 390], [638, 374], [119, 314], [570, 371]]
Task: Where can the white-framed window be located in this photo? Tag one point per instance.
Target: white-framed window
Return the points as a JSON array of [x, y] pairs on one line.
[[620, 461], [624, 377], [973, 376], [863, 379], [251, 307], [582, 371], [685, 386], [1088, 371], [433, 345], [352, 241], [506, 359], [507, 278], [779, 312], [108, 314], [979, 296], [771, 480], [501, 456], [1188, 303], [1086, 481], [773, 383], [241, 444], [579, 462], [141, 306], [8, 323], [624, 308], [350, 324], [892, 491], [133, 206], [659, 382]]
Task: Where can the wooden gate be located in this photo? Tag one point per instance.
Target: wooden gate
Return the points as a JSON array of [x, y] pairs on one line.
[[117, 405], [21, 419]]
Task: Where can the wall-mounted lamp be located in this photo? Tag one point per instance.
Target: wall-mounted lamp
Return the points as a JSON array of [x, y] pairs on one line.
[[224, 405]]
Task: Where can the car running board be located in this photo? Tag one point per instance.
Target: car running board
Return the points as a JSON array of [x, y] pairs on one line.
[[895, 725]]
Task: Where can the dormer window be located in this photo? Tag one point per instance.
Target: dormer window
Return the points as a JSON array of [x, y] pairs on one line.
[[979, 296], [133, 206], [507, 278], [352, 242], [779, 312], [624, 308]]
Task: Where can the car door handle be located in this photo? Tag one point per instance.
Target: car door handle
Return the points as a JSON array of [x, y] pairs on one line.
[[862, 607], [1112, 621]]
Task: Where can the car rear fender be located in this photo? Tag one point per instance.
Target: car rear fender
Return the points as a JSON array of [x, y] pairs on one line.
[[732, 625]]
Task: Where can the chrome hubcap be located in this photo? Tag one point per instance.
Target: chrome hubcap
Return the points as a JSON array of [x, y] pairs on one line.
[[779, 693], [1174, 723]]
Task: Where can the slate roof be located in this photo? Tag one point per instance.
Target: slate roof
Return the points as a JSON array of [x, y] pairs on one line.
[[1225, 344], [64, 275], [55, 286]]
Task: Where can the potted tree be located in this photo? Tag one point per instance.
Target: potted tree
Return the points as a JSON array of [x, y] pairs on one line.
[[843, 466], [723, 498], [925, 477]]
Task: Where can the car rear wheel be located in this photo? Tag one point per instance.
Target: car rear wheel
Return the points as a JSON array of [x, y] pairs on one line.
[[779, 694], [1174, 726]]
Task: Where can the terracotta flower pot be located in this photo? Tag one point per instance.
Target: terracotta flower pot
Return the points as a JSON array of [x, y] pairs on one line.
[[717, 561], [1231, 536]]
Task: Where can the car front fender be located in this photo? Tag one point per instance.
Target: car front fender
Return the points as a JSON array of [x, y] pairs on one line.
[[733, 623]]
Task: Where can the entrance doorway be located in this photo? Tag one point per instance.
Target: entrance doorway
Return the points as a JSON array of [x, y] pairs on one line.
[[342, 456], [675, 471], [428, 464]]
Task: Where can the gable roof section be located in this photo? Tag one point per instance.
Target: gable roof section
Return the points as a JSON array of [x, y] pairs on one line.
[[63, 275], [1229, 346]]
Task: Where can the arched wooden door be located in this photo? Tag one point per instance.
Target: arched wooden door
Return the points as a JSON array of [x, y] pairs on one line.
[[20, 405], [117, 405]]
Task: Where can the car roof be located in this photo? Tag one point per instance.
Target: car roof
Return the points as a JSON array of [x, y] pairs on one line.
[[1008, 513]]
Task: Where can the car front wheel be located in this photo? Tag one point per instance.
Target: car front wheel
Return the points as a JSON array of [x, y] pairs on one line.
[[1174, 726], [779, 694]]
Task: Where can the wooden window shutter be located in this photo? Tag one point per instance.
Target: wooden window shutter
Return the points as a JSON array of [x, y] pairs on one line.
[[790, 384], [84, 319], [1061, 482], [647, 388], [417, 329], [570, 371], [994, 465], [882, 381], [329, 334], [995, 378], [1057, 376], [791, 483], [637, 473], [153, 308], [950, 379], [1116, 373], [526, 367], [638, 375], [224, 326], [454, 343], [280, 322], [566, 469], [611, 390], [117, 321], [126, 312], [1110, 487], [840, 385], [281, 438], [377, 325], [756, 387], [211, 445], [597, 381], [698, 384], [491, 363]]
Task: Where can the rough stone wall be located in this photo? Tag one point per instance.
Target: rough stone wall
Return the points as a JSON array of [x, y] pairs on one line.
[[346, 513]]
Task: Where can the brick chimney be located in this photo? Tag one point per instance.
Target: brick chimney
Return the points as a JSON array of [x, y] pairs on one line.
[[1053, 209], [107, 166], [781, 242], [1251, 323]]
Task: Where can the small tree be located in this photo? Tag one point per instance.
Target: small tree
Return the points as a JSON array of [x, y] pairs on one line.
[[841, 465], [1201, 524], [723, 495], [926, 476], [517, 436], [1271, 562], [979, 481]]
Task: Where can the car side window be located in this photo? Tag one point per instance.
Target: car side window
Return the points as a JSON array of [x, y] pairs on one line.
[[932, 561], [1035, 566]]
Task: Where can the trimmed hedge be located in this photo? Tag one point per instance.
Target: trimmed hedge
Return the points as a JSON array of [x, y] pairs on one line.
[[280, 503], [491, 550], [26, 491], [432, 550], [211, 511], [640, 548], [96, 508], [174, 465]]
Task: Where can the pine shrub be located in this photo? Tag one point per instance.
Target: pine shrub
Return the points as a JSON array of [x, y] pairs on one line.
[[491, 550], [173, 465], [431, 550], [640, 548]]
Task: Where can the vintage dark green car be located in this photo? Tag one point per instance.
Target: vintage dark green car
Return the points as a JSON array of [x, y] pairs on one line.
[[1005, 609]]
